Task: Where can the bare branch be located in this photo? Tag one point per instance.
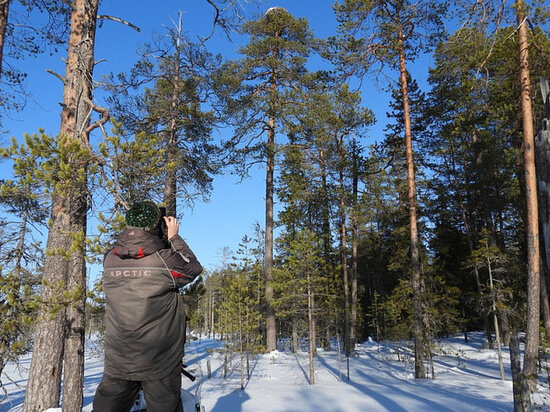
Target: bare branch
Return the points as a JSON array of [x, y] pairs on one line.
[[56, 75], [104, 112], [117, 19]]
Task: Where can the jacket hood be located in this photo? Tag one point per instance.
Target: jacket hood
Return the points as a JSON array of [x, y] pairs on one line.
[[137, 243]]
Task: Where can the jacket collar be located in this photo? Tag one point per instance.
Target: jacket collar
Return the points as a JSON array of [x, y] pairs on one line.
[[137, 243]]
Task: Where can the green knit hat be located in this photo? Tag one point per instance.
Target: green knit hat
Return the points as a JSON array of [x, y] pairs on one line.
[[143, 215]]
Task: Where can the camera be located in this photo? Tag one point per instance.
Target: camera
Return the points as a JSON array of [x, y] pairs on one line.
[[163, 230]]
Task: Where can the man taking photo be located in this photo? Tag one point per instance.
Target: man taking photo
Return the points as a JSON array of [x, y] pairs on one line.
[[145, 317]]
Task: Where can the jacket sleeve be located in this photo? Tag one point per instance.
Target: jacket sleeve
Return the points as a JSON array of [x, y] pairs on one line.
[[181, 261]]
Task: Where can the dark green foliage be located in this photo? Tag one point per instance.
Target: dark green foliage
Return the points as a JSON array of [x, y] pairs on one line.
[[164, 138], [266, 83], [368, 32], [21, 262]]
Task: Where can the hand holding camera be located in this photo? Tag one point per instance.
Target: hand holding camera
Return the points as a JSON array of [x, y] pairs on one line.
[[172, 226]]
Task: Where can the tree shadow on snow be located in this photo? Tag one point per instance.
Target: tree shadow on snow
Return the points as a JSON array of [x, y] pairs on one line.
[[14, 398], [373, 394], [231, 402], [306, 377]]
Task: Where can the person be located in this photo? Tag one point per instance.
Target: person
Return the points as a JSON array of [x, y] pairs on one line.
[[145, 318]]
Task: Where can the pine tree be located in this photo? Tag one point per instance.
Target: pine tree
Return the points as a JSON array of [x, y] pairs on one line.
[[532, 218], [400, 31], [21, 259], [160, 107], [300, 279], [259, 93]]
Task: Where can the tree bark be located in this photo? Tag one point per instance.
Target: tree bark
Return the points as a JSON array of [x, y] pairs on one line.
[[418, 328], [519, 388], [271, 331], [44, 383], [311, 327], [4, 18], [532, 228], [544, 303], [327, 248], [170, 184], [62, 338], [354, 249], [343, 246]]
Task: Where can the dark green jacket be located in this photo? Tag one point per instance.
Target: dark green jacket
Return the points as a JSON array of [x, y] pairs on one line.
[[145, 318]]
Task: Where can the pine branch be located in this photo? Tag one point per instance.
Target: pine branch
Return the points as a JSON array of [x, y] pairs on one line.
[[119, 20]]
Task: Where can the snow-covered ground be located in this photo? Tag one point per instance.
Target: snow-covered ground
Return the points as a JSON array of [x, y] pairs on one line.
[[380, 379]]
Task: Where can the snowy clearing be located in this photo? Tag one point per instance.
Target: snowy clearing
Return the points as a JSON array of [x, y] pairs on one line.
[[381, 379]]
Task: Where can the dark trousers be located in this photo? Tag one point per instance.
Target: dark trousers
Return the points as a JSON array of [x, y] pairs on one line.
[[161, 395]]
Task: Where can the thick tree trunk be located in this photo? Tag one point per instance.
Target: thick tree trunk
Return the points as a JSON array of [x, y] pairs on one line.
[[416, 281], [77, 97], [73, 379], [63, 338], [44, 383], [532, 224]]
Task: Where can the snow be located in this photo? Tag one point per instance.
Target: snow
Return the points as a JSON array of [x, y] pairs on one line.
[[381, 379]]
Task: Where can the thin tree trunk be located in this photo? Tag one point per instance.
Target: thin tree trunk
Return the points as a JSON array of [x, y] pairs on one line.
[[532, 228], [418, 327], [327, 248], [520, 390], [4, 17], [354, 252], [343, 247], [311, 326], [170, 183], [544, 302], [294, 336], [495, 319], [271, 332]]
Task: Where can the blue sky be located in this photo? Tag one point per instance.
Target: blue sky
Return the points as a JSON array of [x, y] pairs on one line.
[[234, 207]]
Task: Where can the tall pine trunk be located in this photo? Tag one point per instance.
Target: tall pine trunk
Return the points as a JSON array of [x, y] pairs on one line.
[[354, 248], [416, 281], [344, 246], [327, 248], [61, 337], [170, 183], [271, 332], [532, 228]]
